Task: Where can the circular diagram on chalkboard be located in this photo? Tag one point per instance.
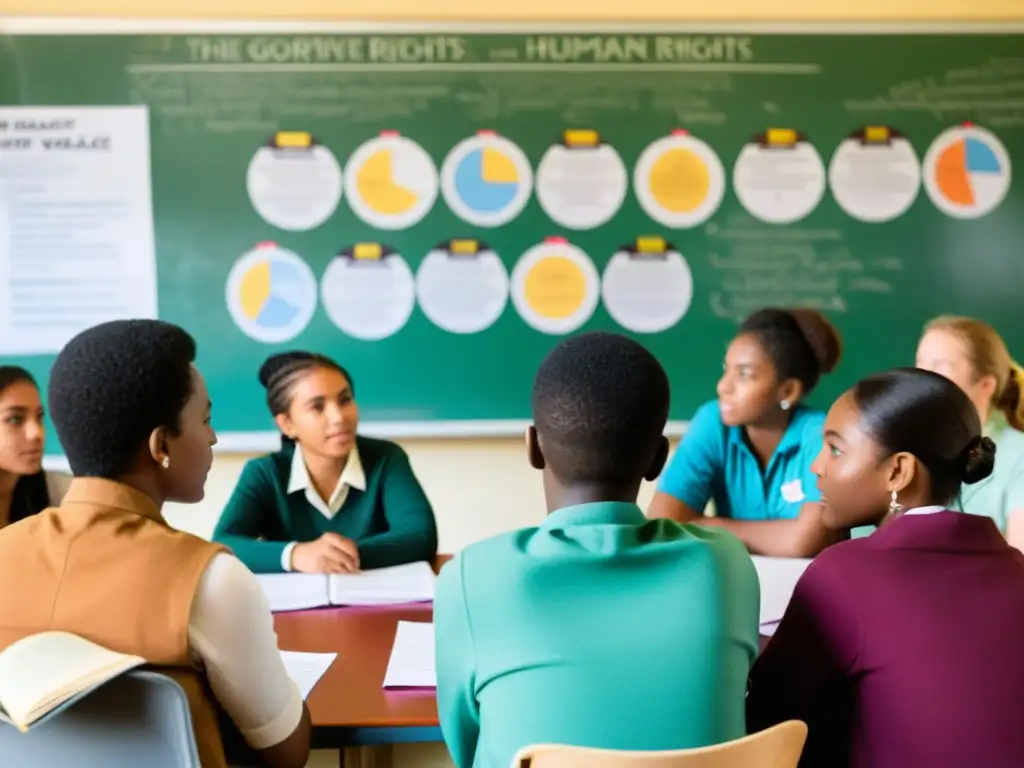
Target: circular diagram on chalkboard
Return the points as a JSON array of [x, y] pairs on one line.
[[647, 286], [967, 172], [779, 176], [294, 183], [555, 287], [486, 180], [679, 181], [874, 174], [391, 182], [271, 294], [581, 181], [462, 286], [368, 291]]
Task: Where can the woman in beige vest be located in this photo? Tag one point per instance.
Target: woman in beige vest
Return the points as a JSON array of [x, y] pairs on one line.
[[25, 488], [133, 416]]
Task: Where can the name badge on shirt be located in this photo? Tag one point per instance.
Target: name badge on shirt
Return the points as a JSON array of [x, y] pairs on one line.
[[793, 491]]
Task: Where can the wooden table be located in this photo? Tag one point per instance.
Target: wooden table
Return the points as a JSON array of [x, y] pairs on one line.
[[349, 706]]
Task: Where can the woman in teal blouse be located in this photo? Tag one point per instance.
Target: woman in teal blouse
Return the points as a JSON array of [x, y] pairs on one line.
[[329, 501], [750, 451], [974, 356]]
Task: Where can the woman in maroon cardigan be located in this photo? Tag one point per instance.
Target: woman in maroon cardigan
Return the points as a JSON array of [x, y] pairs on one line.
[[902, 649]]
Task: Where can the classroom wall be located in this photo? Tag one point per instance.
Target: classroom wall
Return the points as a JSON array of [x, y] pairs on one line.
[[484, 487]]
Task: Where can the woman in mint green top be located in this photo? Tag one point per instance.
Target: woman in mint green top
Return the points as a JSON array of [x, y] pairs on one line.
[[974, 356], [329, 501]]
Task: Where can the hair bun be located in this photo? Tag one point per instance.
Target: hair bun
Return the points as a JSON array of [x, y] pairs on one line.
[[978, 459], [821, 336], [274, 365]]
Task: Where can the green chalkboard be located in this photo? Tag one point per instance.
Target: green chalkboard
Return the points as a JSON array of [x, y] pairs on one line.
[[215, 98]]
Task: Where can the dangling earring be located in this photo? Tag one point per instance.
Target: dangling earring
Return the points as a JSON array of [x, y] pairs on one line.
[[894, 506], [784, 405], [166, 463]]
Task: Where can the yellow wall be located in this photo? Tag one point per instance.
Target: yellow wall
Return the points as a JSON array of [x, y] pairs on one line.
[[607, 10], [483, 487]]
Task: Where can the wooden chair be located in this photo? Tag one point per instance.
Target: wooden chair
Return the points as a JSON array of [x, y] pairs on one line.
[[777, 747]]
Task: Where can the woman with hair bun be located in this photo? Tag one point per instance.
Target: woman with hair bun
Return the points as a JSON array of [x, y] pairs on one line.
[[974, 356], [750, 451], [902, 648], [330, 501]]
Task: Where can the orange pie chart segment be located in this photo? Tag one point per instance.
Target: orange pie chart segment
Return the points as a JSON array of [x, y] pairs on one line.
[[951, 174]]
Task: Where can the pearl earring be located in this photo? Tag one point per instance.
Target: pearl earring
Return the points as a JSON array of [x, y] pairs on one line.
[[166, 463], [784, 405]]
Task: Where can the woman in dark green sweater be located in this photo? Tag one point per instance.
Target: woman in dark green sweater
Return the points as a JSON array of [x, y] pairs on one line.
[[328, 501]]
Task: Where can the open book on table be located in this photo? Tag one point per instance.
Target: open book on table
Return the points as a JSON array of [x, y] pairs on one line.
[[42, 673], [411, 583]]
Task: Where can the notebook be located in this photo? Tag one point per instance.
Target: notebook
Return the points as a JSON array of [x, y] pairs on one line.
[[778, 577], [411, 583], [412, 657], [40, 673]]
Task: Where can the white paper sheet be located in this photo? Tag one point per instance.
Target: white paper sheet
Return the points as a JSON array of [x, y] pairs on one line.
[[412, 657], [294, 591], [411, 583], [778, 577], [306, 669]]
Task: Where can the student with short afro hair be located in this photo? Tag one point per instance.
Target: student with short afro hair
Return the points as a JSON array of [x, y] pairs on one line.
[[133, 415], [598, 627], [750, 450]]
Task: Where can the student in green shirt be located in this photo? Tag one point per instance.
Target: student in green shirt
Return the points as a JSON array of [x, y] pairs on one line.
[[329, 501], [597, 627], [974, 356]]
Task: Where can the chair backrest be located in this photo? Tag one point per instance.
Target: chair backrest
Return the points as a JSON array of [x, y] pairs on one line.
[[138, 719], [777, 747]]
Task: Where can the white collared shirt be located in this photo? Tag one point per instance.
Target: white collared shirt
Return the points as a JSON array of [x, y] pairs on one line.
[[352, 476], [925, 510]]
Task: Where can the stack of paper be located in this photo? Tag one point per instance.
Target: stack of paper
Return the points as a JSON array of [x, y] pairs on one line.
[[412, 657], [306, 669], [778, 577], [411, 583]]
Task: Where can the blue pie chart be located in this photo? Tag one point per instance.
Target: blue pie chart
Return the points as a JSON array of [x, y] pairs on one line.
[[486, 180]]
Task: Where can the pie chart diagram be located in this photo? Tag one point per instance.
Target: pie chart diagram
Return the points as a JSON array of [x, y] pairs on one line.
[[555, 287], [874, 174], [294, 183], [271, 294], [391, 182], [679, 181], [368, 291], [486, 180], [967, 172]]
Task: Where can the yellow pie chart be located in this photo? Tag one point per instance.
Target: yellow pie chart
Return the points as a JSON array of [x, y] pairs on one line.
[[390, 182], [555, 287], [680, 180], [378, 188]]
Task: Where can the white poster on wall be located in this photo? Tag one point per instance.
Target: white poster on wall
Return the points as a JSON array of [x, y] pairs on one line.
[[76, 223]]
